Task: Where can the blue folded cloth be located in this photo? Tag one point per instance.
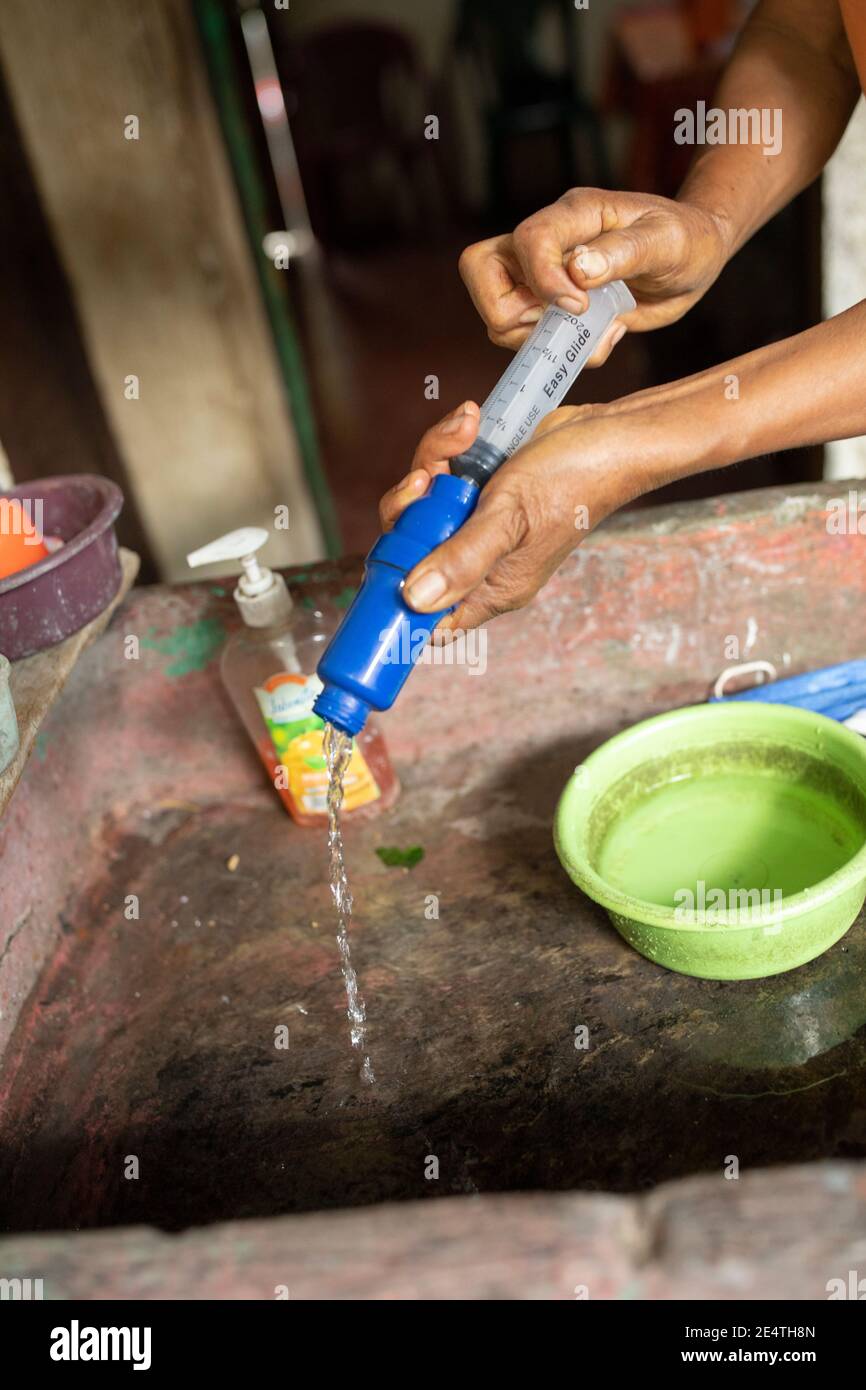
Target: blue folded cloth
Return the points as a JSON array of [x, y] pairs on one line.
[[837, 691]]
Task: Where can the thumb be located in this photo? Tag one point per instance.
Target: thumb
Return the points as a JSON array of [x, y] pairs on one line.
[[624, 254], [454, 569]]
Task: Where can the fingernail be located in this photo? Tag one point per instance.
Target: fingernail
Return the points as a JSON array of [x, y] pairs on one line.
[[453, 423], [572, 306], [426, 589], [531, 315], [617, 334], [592, 263]]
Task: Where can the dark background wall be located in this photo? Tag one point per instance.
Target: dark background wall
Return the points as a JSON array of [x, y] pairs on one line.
[[531, 97]]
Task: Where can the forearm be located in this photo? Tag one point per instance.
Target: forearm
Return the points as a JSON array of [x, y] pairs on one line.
[[803, 390], [793, 56], [584, 462]]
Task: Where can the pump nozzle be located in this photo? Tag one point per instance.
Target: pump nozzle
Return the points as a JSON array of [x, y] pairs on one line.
[[261, 595]]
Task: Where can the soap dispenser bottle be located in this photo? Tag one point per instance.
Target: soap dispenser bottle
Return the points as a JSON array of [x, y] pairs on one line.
[[268, 668]]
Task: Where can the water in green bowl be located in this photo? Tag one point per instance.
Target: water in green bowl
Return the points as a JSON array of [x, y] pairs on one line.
[[754, 828]]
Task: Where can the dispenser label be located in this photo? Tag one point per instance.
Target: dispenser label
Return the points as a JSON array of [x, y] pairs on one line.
[[296, 734]]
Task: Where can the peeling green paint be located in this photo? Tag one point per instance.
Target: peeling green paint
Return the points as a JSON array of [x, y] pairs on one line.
[[191, 647], [218, 590], [345, 597], [40, 746]]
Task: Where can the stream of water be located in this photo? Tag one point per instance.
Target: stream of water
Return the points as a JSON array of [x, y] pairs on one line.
[[338, 751]]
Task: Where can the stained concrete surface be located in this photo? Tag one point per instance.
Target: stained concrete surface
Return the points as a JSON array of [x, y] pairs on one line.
[[156, 1037], [153, 1036]]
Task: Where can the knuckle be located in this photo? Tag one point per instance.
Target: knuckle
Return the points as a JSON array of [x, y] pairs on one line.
[[678, 239], [487, 602], [460, 577], [577, 200], [431, 442], [624, 247], [497, 321], [471, 613], [540, 259], [666, 239], [527, 232], [522, 596], [469, 258], [608, 214], [508, 593], [580, 194], [512, 508], [574, 414]]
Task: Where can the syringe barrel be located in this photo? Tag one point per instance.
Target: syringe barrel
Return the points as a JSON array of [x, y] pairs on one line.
[[538, 379]]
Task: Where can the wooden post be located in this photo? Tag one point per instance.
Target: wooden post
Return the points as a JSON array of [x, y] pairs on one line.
[[118, 121]]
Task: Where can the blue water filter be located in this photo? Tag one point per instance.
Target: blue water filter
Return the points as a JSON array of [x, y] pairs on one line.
[[381, 638]]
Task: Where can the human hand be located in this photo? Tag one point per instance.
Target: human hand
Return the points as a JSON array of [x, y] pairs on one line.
[[668, 252], [534, 511]]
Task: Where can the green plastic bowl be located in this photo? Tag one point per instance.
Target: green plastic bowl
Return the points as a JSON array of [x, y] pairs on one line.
[[726, 841]]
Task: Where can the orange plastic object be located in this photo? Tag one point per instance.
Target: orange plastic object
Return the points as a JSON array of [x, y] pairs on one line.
[[21, 544]]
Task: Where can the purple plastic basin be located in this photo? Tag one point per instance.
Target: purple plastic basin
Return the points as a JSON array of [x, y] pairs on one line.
[[44, 603]]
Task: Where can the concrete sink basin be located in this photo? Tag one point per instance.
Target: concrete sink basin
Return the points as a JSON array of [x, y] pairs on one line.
[[515, 1038]]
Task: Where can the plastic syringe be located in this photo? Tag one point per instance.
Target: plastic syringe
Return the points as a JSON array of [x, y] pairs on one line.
[[375, 647], [546, 366]]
